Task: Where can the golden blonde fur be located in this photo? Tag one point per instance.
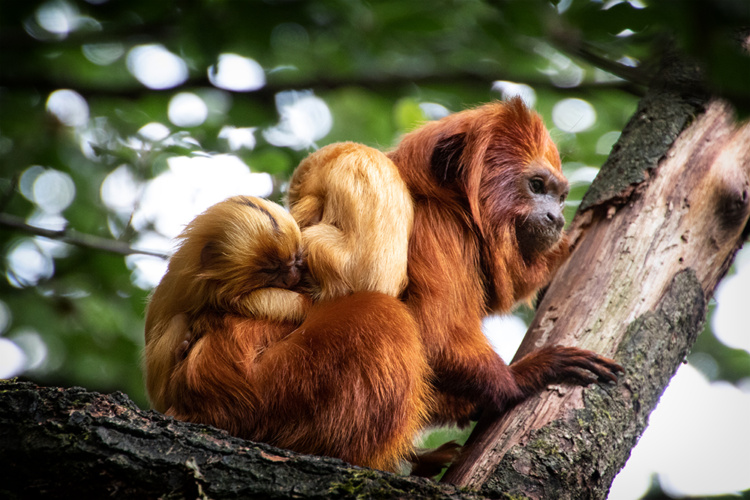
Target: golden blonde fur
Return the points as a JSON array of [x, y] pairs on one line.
[[345, 253], [227, 260]]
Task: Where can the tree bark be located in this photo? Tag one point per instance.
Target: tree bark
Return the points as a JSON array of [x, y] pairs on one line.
[[655, 233], [70, 443]]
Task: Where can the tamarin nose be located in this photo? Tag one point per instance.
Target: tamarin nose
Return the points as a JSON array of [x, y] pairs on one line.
[[293, 276], [557, 220]]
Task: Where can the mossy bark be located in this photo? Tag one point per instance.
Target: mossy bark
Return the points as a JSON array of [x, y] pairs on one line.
[[70, 443]]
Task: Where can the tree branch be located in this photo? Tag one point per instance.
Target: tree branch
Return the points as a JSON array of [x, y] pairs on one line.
[[75, 238], [63, 443]]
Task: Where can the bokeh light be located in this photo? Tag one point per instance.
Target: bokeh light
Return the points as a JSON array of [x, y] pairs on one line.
[[154, 131], [57, 17], [573, 115], [53, 191], [511, 89], [12, 359], [304, 119], [156, 67], [238, 138], [187, 110], [237, 73], [69, 107], [28, 264], [103, 54]]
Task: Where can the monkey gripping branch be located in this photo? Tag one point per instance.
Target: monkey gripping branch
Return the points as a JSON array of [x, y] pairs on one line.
[[653, 237]]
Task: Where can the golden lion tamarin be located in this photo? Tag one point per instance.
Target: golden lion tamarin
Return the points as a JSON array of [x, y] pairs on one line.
[[488, 191], [241, 257], [355, 220], [226, 345]]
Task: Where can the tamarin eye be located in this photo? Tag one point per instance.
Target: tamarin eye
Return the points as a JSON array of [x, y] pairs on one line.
[[536, 185]]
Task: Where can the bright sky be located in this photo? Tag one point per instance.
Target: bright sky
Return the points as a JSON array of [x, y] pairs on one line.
[[698, 441]]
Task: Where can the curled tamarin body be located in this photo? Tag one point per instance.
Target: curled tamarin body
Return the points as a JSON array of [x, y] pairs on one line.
[[233, 340]]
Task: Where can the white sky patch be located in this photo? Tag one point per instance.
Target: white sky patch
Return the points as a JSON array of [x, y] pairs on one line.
[[187, 110], [697, 441], [511, 89], [147, 271], [69, 107], [191, 185], [237, 73], [573, 115], [156, 67], [304, 119], [172, 199], [505, 333], [729, 322]]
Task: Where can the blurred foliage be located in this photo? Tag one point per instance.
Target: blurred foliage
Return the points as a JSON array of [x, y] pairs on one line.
[[373, 63]]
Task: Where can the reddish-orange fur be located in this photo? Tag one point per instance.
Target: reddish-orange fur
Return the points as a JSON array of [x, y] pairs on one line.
[[474, 249], [224, 345], [348, 383], [464, 173]]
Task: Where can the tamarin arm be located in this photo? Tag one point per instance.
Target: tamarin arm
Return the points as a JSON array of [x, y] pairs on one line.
[[553, 364], [272, 303], [329, 253], [476, 373]]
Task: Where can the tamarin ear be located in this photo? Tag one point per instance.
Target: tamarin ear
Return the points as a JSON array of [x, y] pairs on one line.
[[457, 168], [445, 161]]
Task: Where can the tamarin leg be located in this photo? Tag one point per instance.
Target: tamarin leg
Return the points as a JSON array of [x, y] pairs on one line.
[[348, 383]]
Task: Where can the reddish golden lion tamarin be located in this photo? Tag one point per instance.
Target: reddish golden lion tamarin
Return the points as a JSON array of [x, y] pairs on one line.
[[226, 345], [488, 192]]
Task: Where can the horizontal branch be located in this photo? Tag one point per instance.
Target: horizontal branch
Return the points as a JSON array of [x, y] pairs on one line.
[[75, 238], [57, 441]]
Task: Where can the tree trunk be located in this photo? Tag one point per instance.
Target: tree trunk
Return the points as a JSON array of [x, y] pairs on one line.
[[655, 233]]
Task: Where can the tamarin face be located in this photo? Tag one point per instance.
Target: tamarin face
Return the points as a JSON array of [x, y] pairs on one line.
[[521, 182], [544, 190]]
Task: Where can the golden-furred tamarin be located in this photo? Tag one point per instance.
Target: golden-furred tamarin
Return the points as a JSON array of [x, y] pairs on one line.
[[241, 257], [355, 220], [226, 345], [488, 191]]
